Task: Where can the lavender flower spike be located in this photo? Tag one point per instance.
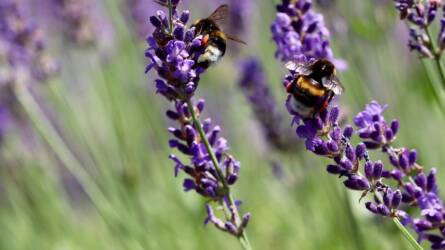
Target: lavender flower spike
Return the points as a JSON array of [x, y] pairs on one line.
[[300, 33], [255, 88], [421, 15], [324, 137], [211, 171], [23, 59]]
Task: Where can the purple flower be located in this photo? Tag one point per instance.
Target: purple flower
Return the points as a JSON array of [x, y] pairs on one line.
[[174, 56], [257, 91], [300, 33], [173, 52], [414, 187], [373, 128]]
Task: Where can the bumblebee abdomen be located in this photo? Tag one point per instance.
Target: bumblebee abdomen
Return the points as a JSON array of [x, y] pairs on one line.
[[307, 85]]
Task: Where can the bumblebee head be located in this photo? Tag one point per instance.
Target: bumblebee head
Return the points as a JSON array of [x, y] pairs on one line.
[[323, 68]]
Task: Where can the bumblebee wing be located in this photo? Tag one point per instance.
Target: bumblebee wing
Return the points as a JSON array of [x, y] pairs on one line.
[[220, 14], [333, 84], [235, 39], [299, 68], [161, 3]]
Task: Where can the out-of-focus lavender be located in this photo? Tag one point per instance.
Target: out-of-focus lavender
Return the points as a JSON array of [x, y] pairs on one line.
[[173, 53], [139, 10], [22, 48], [83, 22], [255, 87], [421, 15], [23, 58], [300, 33], [240, 14]]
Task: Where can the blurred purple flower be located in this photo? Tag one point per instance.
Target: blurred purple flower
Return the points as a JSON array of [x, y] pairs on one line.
[[240, 12], [254, 85], [83, 22], [139, 10], [23, 59]]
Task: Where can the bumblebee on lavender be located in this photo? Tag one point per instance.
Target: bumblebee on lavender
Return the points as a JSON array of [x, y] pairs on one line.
[[213, 38], [313, 86]]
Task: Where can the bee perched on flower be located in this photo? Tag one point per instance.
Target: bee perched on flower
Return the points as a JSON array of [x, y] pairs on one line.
[[311, 87], [180, 53]]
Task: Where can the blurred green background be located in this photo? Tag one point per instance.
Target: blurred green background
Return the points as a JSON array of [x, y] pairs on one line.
[[123, 195]]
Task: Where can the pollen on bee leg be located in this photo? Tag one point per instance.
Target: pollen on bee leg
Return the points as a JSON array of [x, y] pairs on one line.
[[205, 40], [289, 87]]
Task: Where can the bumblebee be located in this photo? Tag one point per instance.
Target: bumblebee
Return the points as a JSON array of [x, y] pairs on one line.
[[213, 38], [314, 86]]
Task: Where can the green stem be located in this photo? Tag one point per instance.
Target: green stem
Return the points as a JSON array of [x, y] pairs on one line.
[[48, 133], [403, 229], [243, 236], [437, 55], [407, 235], [170, 16]]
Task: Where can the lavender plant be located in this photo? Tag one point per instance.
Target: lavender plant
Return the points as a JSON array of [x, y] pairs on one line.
[[421, 16], [23, 57], [324, 136], [173, 52], [300, 33]]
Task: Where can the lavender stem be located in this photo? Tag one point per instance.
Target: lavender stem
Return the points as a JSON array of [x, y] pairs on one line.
[[402, 228], [170, 17], [437, 56], [406, 233], [243, 236], [48, 133]]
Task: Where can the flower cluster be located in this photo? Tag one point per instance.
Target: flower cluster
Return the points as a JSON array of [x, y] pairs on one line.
[[414, 188], [420, 15], [174, 55], [173, 52], [255, 87], [300, 33], [22, 49], [203, 176]]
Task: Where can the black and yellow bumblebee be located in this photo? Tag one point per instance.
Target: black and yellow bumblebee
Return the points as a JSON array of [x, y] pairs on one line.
[[214, 40], [314, 86]]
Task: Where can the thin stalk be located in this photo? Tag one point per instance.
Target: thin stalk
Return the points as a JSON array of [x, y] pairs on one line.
[[407, 235], [437, 55], [403, 229], [170, 16], [243, 237]]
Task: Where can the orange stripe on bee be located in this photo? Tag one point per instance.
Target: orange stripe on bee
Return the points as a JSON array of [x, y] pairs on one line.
[[305, 84], [219, 33]]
